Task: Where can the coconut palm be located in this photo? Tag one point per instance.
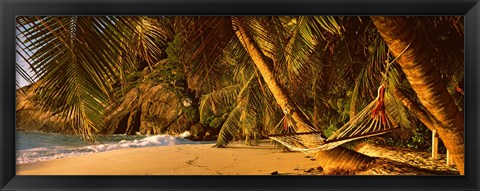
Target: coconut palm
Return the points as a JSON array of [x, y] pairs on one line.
[[258, 51], [129, 30], [77, 59], [252, 33], [249, 69], [417, 60]]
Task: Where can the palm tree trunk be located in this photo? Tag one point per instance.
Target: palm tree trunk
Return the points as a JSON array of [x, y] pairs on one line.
[[425, 81], [265, 67], [335, 159], [412, 107]]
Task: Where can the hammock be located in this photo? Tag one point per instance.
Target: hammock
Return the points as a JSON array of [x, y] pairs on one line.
[[373, 120]]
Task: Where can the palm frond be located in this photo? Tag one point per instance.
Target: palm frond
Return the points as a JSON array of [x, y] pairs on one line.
[[221, 98], [24, 74], [374, 68], [77, 59], [447, 47], [399, 113], [204, 40], [231, 126], [151, 34], [244, 119]]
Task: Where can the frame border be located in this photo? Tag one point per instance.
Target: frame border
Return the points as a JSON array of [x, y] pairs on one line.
[[10, 8]]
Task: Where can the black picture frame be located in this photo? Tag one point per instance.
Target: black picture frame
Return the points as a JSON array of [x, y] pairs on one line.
[[10, 8]]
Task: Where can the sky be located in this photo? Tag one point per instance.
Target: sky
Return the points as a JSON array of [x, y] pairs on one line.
[[21, 81], [20, 61]]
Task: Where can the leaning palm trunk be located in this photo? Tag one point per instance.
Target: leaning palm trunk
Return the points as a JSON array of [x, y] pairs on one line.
[[426, 82], [336, 159]]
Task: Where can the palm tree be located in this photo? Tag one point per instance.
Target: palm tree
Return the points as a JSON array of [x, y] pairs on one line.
[[136, 34], [327, 159], [286, 61], [78, 59], [258, 52], [416, 59]]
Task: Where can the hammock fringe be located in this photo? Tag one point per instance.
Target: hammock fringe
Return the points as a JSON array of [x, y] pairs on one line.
[[363, 125]]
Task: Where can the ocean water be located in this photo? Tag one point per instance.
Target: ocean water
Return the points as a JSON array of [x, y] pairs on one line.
[[36, 146]]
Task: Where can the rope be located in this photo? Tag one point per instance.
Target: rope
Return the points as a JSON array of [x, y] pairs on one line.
[[395, 59], [363, 125]]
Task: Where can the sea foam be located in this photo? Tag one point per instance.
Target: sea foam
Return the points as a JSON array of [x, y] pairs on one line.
[[47, 151]]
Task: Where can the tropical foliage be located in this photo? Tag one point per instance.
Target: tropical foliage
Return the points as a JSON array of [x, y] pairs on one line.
[[330, 67]]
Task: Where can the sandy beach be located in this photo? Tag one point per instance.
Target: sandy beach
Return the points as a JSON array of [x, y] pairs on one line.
[[197, 159], [149, 95], [237, 159]]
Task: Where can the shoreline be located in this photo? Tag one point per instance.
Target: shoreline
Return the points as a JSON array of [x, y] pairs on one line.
[[237, 159], [188, 159]]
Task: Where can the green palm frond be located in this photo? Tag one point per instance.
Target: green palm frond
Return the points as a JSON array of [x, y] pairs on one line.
[[295, 50], [262, 29], [373, 70], [329, 23], [446, 48], [221, 98], [23, 74], [239, 119], [399, 113], [252, 105], [309, 31], [323, 62], [244, 119], [249, 123], [150, 35], [23, 55], [77, 59], [300, 45], [236, 56], [204, 40], [231, 126], [354, 100]]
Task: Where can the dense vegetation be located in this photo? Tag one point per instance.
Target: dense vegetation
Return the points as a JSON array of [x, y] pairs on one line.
[[209, 75]]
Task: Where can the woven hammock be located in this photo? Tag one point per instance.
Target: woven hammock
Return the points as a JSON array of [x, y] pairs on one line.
[[371, 121]]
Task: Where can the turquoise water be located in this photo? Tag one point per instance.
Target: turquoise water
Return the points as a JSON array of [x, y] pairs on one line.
[[36, 146]]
